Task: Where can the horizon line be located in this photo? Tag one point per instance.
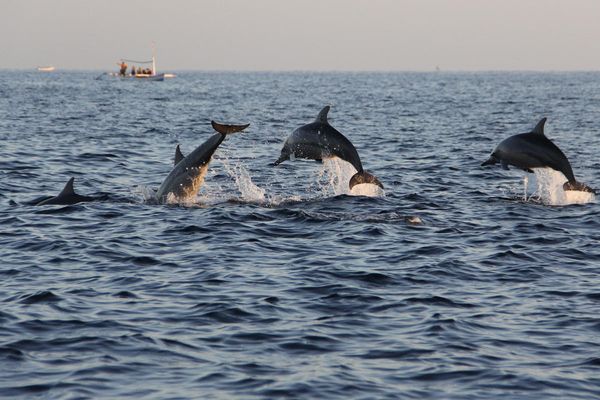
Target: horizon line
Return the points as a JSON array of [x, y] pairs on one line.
[[57, 69]]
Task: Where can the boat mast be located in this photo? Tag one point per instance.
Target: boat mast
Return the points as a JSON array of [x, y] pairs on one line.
[[153, 58]]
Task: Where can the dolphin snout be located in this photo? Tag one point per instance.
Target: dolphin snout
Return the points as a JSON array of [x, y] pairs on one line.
[[490, 161]]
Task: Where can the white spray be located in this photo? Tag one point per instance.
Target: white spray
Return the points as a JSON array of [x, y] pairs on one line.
[[550, 189]]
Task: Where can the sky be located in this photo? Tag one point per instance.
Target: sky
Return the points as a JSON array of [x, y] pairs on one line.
[[319, 35]]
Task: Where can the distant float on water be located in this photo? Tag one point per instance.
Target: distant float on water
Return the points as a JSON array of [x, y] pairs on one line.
[[46, 68]]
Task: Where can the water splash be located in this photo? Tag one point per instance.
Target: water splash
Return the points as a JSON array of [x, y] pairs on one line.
[[550, 189], [249, 191], [146, 193], [335, 175]]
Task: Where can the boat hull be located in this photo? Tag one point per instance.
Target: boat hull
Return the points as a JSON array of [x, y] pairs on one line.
[[157, 77]]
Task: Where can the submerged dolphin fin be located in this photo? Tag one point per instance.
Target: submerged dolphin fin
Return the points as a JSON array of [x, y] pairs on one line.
[[322, 117], [178, 155], [227, 129], [539, 128], [364, 177], [68, 190]]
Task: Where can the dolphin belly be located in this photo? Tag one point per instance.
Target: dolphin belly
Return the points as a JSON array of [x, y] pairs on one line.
[[183, 183]]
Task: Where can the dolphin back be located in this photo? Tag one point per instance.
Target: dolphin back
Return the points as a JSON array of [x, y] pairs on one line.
[[66, 196]]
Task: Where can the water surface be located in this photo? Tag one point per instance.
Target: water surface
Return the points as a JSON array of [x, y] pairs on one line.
[[277, 282]]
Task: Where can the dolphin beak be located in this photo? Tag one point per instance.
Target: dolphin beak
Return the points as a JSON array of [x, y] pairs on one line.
[[490, 161]]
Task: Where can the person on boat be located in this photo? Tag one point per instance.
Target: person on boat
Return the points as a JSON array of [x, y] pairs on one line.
[[133, 70], [123, 68]]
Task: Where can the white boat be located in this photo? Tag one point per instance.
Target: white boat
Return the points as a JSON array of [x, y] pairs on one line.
[[136, 72], [46, 68], [148, 77]]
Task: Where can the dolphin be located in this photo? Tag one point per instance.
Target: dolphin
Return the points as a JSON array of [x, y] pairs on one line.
[[534, 150], [319, 140], [66, 196], [187, 174]]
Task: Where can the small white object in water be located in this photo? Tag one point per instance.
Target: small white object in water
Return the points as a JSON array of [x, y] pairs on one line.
[[414, 220]]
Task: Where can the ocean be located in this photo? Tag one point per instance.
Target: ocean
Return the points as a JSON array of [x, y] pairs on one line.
[[454, 282]]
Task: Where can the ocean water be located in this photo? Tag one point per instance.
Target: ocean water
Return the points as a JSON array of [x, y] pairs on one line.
[[454, 282]]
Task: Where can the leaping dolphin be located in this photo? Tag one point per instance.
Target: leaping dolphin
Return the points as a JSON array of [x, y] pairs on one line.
[[319, 140], [66, 196], [534, 150], [187, 175]]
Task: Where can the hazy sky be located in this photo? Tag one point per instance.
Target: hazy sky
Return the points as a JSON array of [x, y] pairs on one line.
[[303, 34]]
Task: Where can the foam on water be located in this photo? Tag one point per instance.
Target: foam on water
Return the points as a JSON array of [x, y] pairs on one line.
[[550, 189]]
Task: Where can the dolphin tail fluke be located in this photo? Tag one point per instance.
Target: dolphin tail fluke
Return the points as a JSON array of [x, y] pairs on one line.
[[364, 177], [578, 186], [227, 129]]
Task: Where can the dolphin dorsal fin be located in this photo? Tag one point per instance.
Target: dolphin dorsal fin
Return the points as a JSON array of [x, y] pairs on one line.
[[68, 189], [322, 117], [178, 155], [539, 128]]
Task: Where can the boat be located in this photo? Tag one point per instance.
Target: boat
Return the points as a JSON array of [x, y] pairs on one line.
[[46, 68], [136, 71]]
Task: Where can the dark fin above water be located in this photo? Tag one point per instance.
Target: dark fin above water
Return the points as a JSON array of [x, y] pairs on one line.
[[364, 177], [68, 190], [178, 155], [578, 186], [322, 117], [64, 197], [539, 128], [227, 129]]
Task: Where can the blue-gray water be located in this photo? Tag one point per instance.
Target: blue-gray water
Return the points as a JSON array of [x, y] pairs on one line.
[[273, 286]]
